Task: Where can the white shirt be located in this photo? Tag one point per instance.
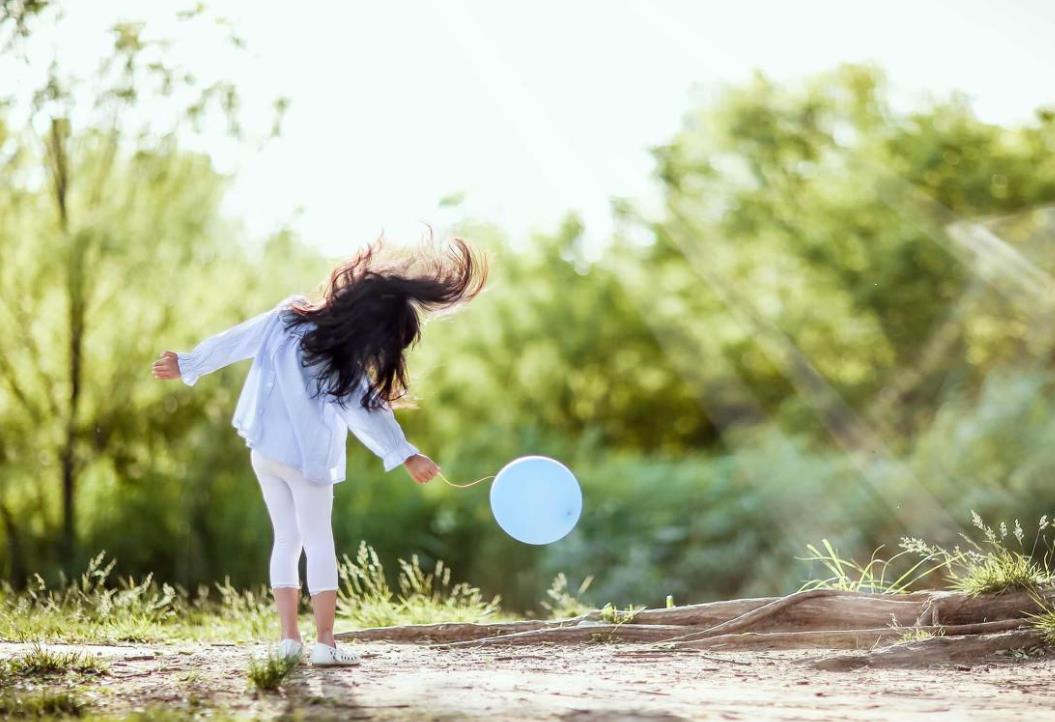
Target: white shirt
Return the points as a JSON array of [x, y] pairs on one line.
[[278, 412]]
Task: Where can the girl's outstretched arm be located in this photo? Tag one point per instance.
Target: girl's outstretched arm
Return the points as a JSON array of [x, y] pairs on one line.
[[381, 433], [235, 344]]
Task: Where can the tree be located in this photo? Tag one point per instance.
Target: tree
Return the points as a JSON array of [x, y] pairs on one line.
[[119, 213]]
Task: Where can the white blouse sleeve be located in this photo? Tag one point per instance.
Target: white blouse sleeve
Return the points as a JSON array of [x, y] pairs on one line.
[[379, 431], [235, 344]]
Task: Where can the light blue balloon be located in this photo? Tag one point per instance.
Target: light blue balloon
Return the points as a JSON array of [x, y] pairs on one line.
[[536, 500]]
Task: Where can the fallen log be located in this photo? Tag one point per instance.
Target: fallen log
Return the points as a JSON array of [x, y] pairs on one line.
[[961, 650]]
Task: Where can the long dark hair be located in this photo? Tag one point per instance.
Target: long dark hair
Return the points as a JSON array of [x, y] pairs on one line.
[[371, 313]]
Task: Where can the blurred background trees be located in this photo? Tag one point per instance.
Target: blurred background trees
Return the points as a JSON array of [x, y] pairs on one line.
[[839, 325]]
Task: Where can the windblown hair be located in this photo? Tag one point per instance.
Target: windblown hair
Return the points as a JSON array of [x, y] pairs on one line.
[[372, 310]]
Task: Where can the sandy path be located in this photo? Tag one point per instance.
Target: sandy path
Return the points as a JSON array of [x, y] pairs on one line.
[[596, 682]]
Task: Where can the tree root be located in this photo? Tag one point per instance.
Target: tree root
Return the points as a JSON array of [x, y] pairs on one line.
[[590, 632], [964, 650], [818, 619], [959, 608], [450, 631], [835, 639]]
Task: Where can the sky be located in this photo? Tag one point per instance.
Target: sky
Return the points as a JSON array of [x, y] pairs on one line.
[[533, 109]]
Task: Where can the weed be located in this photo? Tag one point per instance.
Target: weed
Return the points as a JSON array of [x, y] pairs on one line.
[[40, 703], [993, 565], [877, 575], [565, 604], [268, 672], [97, 608], [366, 599], [918, 635], [40, 660], [613, 615], [997, 563], [192, 676]]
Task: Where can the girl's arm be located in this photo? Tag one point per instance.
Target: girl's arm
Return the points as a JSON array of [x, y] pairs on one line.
[[235, 344], [381, 433]]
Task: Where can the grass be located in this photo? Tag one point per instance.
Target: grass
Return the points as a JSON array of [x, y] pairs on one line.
[[997, 563], [915, 635], [562, 602], [38, 704], [269, 672], [62, 706], [23, 694], [613, 615], [366, 599], [43, 661], [95, 607], [1045, 624], [877, 575]]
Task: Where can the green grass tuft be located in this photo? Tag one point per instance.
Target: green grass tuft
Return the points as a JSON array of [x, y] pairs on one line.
[[997, 563], [1045, 624], [877, 575], [562, 602], [366, 599], [916, 635], [43, 661], [95, 607], [40, 703], [613, 615], [267, 673]]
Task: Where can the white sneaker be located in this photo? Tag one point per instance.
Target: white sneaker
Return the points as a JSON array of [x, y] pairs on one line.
[[323, 655], [289, 648]]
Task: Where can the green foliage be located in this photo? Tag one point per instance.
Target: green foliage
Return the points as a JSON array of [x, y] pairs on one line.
[[366, 599], [40, 661], [917, 635], [267, 673], [834, 323], [1045, 624], [95, 608], [877, 575], [563, 603], [995, 564], [38, 704], [613, 615]]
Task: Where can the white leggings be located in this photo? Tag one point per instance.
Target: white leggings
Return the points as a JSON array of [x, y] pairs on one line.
[[300, 514]]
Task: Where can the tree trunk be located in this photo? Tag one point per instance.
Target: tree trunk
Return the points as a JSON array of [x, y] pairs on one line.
[[59, 169], [15, 555]]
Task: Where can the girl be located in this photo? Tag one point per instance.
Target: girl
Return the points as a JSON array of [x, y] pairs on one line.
[[319, 370]]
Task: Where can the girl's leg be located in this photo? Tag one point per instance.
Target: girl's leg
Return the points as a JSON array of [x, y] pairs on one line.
[[324, 605], [287, 602], [285, 553], [314, 505]]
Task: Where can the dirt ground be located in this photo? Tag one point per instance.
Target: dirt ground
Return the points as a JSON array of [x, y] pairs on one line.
[[595, 683]]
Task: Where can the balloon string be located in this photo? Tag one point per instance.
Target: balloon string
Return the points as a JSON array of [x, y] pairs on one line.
[[462, 486]]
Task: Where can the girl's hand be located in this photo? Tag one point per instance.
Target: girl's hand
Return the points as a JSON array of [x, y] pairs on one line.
[[421, 468], [167, 367]]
